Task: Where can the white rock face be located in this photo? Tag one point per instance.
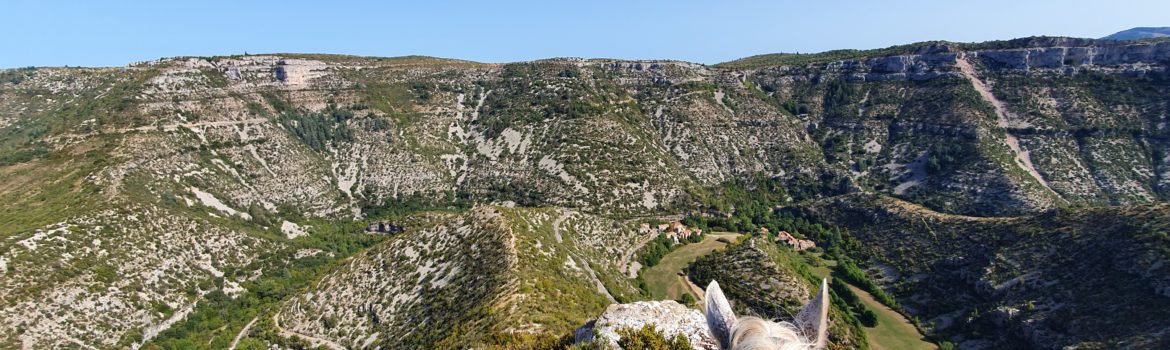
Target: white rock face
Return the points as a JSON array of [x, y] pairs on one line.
[[298, 72], [210, 200], [669, 316], [292, 230]]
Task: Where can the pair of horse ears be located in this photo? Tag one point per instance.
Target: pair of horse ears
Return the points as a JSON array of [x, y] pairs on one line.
[[813, 318]]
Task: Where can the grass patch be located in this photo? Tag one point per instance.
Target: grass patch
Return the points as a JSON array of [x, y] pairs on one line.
[[893, 331], [663, 280]]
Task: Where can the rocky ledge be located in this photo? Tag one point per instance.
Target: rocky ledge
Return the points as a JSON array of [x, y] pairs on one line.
[[669, 316]]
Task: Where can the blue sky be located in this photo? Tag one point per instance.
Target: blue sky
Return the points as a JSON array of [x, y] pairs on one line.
[[108, 33]]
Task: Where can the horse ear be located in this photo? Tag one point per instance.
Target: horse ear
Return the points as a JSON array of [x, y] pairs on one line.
[[720, 318], [813, 319]]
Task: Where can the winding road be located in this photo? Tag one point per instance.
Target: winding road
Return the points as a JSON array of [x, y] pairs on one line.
[[313, 341], [240, 335], [624, 265], [556, 225]]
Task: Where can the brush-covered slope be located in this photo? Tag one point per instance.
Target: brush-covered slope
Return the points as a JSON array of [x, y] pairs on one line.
[[190, 176], [1080, 278], [483, 278], [768, 281]]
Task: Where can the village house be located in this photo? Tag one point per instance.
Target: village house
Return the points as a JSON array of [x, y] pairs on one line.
[[679, 232], [796, 243], [384, 227], [675, 231]]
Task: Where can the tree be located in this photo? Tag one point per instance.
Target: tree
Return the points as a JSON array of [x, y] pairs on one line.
[[868, 318]]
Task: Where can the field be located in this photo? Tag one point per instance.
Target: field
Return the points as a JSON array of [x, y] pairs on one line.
[[664, 281], [893, 331]]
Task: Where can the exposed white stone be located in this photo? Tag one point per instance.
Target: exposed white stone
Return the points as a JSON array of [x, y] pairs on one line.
[[669, 317], [209, 200], [292, 230]]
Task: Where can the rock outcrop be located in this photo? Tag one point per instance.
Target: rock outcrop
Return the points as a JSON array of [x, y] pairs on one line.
[[669, 317]]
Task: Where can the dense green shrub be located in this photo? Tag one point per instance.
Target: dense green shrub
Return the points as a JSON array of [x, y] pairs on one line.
[[849, 271], [650, 254], [16, 76], [867, 317], [946, 157]]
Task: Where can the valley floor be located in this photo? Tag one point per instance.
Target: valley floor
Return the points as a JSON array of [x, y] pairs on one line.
[[893, 330], [665, 280]]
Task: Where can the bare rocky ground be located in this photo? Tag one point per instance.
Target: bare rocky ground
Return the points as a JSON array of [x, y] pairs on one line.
[[668, 316]]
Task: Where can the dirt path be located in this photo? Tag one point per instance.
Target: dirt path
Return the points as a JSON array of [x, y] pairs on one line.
[[240, 335], [695, 289], [173, 127], [596, 281], [167, 127], [557, 224], [154, 330], [624, 265], [1023, 158], [313, 341]]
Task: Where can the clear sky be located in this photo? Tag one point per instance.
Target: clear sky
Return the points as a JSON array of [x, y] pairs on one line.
[[115, 33]]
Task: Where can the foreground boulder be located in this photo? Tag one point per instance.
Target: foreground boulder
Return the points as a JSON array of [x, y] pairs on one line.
[[669, 316]]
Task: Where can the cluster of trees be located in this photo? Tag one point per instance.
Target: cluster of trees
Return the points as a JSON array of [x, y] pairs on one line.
[[737, 206], [839, 97], [849, 271], [423, 91], [650, 254], [403, 205], [852, 302], [524, 194], [947, 156], [515, 102], [279, 104], [803, 59], [747, 204], [571, 72], [741, 210], [21, 153], [16, 76], [795, 107], [318, 130]]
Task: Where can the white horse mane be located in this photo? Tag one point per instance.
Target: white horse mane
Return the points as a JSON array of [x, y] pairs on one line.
[[807, 332]]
